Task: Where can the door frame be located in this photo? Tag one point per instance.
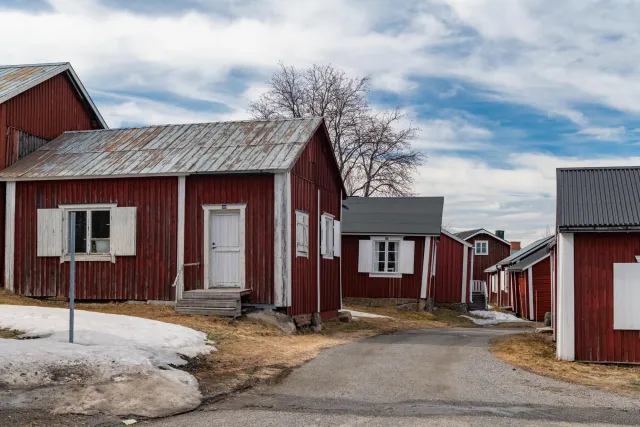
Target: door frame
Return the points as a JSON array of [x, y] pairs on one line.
[[206, 255]]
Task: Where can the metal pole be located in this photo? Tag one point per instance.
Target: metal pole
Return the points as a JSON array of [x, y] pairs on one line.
[[72, 271]]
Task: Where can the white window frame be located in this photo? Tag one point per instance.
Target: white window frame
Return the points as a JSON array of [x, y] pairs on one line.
[[374, 261], [486, 246], [302, 232], [66, 209], [327, 218]]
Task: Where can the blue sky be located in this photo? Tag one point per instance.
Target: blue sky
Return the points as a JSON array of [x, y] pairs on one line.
[[503, 91]]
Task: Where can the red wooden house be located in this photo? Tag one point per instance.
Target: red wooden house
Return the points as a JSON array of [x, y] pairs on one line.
[[389, 248], [598, 273], [203, 214], [489, 248], [454, 265]]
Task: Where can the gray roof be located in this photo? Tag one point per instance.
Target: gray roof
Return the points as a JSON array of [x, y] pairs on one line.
[[223, 147], [15, 79], [466, 234], [531, 259], [521, 254], [393, 215], [598, 198]]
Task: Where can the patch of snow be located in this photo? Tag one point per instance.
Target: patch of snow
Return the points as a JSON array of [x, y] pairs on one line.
[[489, 306], [491, 317], [362, 314], [112, 356]]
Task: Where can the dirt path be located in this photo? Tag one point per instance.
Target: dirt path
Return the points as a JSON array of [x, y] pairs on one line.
[[426, 377]]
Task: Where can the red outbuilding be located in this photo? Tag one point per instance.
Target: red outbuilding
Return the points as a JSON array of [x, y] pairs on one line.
[[389, 248], [204, 214], [598, 273], [454, 265]]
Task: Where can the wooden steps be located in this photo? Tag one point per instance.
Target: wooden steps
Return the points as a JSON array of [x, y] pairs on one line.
[[212, 302], [479, 302]]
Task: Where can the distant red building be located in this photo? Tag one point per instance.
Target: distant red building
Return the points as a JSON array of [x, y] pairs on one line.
[[453, 270]]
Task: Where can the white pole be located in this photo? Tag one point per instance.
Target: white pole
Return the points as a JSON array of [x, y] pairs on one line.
[[72, 272]]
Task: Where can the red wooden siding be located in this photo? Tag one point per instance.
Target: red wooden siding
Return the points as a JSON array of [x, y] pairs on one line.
[[497, 252], [49, 109], [541, 276], [360, 285], [523, 294], [148, 275], [315, 175], [256, 191], [595, 254], [449, 266]]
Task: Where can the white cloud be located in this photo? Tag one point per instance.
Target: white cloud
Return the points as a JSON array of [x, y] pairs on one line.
[[604, 133], [455, 133]]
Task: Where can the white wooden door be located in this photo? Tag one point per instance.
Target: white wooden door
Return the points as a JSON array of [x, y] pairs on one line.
[[225, 244]]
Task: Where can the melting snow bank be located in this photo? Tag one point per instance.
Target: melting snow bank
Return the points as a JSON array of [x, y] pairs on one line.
[[491, 317], [118, 365]]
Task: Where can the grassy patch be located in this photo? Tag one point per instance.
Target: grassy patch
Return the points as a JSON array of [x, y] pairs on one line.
[[9, 333], [536, 353]]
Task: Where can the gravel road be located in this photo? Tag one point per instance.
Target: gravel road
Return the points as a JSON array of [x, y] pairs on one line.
[[434, 377]]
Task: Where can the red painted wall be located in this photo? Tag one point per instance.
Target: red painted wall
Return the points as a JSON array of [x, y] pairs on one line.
[[315, 175], [360, 285], [257, 192], [541, 276], [523, 294], [497, 252], [148, 275], [449, 266], [595, 254]]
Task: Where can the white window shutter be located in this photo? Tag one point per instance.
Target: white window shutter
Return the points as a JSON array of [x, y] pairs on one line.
[[337, 239], [323, 235], [123, 231], [49, 232], [365, 256], [407, 250]]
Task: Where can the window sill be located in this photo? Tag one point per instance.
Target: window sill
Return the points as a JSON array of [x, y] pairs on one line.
[[387, 275], [84, 257], [481, 254], [302, 255], [327, 256]]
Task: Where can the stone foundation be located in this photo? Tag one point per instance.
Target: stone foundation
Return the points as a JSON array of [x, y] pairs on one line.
[[413, 304], [456, 306]]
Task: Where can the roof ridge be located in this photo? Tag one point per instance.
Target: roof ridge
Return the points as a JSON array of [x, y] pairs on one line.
[[44, 64], [585, 168], [198, 123]]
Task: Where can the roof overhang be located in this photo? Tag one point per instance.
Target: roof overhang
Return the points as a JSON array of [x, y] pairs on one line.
[[483, 231], [346, 233], [528, 266], [600, 229], [457, 239]]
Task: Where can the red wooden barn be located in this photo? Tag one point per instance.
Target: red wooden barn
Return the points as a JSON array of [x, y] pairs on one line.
[[389, 247], [598, 273], [454, 265], [201, 213], [489, 248]]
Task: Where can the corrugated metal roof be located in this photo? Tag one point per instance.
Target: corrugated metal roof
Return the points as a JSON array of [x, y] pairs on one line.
[[521, 254], [531, 259], [244, 146], [596, 198], [393, 215], [15, 79]]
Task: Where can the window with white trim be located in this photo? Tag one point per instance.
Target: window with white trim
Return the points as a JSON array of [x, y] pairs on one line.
[[482, 247], [93, 231], [326, 236], [386, 254], [302, 234]]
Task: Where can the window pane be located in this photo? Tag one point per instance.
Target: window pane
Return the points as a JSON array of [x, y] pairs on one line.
[[391, 267], [380, 266], [380, 246], [100, 246], [100, 226], [380, 257], [392, 256], [393, 246], [81, 231]]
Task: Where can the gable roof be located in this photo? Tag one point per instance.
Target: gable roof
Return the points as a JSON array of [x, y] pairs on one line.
[[466, 235], [222, 147], [457, 239], [531, 259], [393, 215], [16, 79], [598, 198], [521, 254]]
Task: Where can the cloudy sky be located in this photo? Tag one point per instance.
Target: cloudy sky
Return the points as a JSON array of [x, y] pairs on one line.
[[504, 91]]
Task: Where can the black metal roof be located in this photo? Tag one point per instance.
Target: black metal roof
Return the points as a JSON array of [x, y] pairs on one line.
[[598, 198], [464, 234], [531, 259], [393, 215]]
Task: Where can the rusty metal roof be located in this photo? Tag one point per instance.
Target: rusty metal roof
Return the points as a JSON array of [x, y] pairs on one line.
[[223, 147], [15, 79]]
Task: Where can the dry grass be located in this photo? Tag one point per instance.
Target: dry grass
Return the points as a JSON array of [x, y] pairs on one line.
[[536, 353], [250, 351], [9, 333]]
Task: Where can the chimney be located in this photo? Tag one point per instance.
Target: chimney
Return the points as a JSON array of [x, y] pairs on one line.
[[500, 233], [515, 246]]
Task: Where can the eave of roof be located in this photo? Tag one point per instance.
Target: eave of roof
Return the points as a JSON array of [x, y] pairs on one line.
[[457, 239], [484, 231]]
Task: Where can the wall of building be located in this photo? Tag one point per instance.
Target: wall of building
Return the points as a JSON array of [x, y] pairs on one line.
[[523, 294], [497, 252], [449, 270], [256, 191], [595, 338], [360, 285], [313, 177], [148, 275], [541, 275]]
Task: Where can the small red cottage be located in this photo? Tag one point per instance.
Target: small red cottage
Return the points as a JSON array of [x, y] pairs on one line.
[[210, 211], [389, 248], [489, 249], [598, 269], [454, 265]]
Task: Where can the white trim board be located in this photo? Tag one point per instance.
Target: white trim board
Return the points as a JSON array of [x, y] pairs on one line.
[[483, 231], [208, 211], [565, 348], [457, 239], [536, 262], [180, 243], [10, 235], [465, 258], [282, 240], [531, 305], [425, 267]]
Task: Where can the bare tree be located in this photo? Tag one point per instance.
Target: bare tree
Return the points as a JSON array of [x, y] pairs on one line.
[[373, 151]]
